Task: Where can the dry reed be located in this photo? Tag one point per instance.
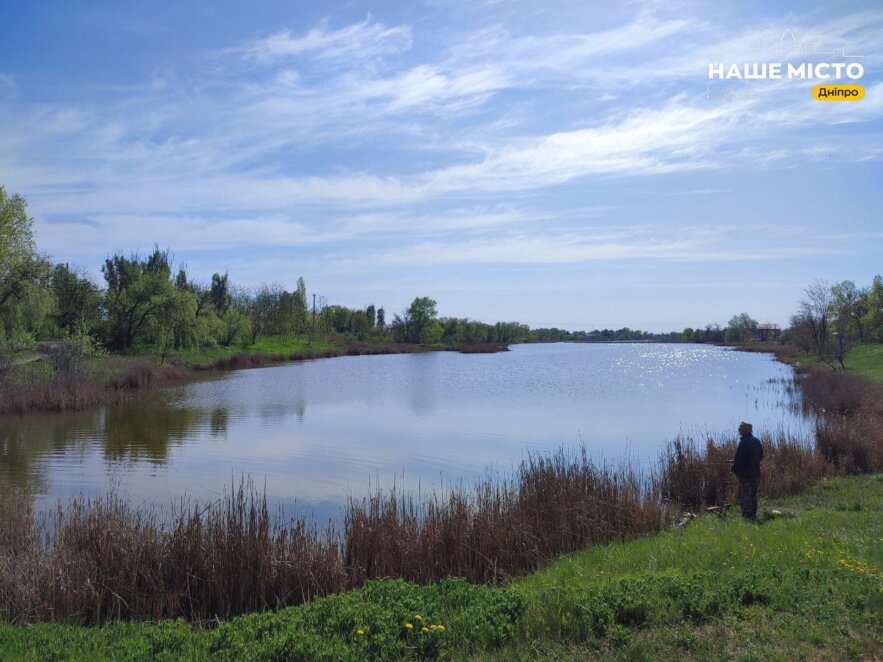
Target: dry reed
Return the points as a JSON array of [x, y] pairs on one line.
[[80, 391]]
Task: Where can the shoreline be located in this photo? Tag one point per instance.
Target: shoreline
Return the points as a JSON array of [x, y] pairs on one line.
[[137, 374]]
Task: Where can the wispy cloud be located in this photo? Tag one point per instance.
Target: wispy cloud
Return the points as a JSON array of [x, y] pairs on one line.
[[462, 146], [364, 40], [691, 245]]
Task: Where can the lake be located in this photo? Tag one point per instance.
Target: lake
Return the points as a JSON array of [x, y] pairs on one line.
[[316, 431]]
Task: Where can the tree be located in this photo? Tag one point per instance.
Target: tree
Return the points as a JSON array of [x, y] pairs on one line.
[[219, 292], [381, 319], [264, 308], [417, 317], [300, 300], [814, 316], [137, 291], [849, 306], [25, 299], [801, 333], [740, 328], [873, 317], [177, 327], [77, 300], [18, 255], [848, 309], [71, 354]]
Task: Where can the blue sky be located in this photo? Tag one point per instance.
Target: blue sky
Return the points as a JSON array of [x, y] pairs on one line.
[[553, 163]]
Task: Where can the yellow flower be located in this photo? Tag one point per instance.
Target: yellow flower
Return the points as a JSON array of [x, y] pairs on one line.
[[424, 630], [418, 617], [409, 626], [441, 628], [360, 632], [433, 627]]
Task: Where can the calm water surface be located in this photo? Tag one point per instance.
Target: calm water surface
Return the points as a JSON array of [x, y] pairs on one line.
[[316, 431]]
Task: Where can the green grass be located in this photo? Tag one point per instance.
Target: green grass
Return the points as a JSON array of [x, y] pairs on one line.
[[866, 360], [802, 585]]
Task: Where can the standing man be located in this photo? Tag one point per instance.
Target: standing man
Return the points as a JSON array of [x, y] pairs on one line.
[[746, 466]]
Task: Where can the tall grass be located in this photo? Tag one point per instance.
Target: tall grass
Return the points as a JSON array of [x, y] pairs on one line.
[[82, 390], [100, 560], [695, 474], [501, 527], [848, 439]]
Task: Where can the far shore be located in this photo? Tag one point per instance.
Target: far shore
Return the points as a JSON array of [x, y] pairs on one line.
[[116, 378]]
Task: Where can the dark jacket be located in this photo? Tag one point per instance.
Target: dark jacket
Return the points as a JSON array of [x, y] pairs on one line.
[[748, 456]]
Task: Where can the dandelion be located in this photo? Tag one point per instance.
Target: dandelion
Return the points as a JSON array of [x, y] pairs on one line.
[[424, 629], [418, 617], [441, 628], [409, 626], [360, 632], [433, 627]]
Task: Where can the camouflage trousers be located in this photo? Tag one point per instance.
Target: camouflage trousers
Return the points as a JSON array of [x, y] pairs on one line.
[[748, 496]]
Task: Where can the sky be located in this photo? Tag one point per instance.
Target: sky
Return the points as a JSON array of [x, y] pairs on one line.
[[559, 163]]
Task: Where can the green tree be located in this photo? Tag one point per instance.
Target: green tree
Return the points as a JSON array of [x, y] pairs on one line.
[[219, 292], [873, 318], [265, 311], [77, 300], [300, 300], [849, 307], [417, 318], [18, 255], [137, 291], [740, 328], [25, 298]]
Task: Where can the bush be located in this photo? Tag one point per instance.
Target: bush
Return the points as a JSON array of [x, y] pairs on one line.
[[71, 355]]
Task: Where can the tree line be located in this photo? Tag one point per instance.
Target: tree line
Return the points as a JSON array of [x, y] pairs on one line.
[[145, 303], [831, 318]]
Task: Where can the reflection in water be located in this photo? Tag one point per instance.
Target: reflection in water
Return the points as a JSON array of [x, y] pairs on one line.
[[422, 376], [318, 430], [219, 422], [139, 433]]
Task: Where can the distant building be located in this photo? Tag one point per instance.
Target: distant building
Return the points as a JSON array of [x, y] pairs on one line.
[[767, 332]]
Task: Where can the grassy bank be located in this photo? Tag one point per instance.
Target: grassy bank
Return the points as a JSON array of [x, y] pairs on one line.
[[804, 584], [865, 360]]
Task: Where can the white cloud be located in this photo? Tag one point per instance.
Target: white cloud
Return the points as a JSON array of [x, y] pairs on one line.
[[363, 40], [690, 246], [336, 133]]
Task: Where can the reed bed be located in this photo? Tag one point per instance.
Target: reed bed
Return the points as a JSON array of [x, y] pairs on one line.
[[501, 527], [697, 474], [351, 348], [80, 391], [99, 560], [785, 353], [848, 439]]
